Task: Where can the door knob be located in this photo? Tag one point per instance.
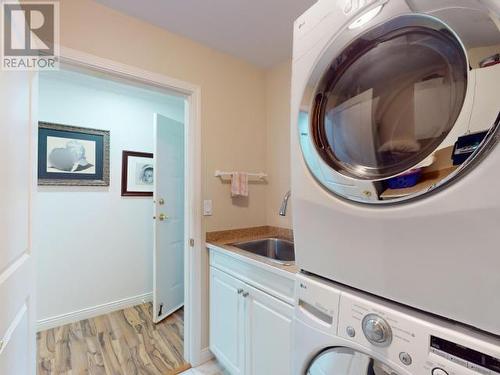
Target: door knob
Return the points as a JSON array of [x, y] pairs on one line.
[[163, 217]]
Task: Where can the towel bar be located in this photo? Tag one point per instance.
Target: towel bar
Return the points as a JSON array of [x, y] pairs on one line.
[[260, 175]]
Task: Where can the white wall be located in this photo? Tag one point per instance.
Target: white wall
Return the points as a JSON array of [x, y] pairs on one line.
[[93, 246]]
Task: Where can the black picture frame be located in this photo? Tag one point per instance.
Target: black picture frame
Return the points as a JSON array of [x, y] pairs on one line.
[[66, 176]]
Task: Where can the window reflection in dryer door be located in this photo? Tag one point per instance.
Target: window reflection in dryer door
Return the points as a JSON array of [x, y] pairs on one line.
[[386, 109], [408, 106], [346, 361]]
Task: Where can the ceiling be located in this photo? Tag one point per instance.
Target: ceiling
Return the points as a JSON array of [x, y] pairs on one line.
[[258, 31]]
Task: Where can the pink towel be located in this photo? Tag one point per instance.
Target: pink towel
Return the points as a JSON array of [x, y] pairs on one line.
[[239, 184]]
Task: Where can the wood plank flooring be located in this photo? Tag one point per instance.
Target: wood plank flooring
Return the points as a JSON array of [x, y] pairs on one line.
[[125, 342]]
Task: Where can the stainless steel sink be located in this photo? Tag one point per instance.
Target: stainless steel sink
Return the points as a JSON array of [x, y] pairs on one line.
[[275, 249]]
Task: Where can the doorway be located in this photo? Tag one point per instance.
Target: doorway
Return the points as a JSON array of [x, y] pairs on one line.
[[70, 214]]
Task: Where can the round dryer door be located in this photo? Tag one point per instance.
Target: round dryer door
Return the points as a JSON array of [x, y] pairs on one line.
[[346, 361], [402, 101]]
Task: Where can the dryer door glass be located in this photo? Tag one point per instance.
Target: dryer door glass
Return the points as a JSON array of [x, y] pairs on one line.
[[402, 106], [390, 98], [346, 361]]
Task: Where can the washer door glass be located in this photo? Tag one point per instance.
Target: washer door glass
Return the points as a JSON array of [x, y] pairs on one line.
[[346, 361], [390, 98]]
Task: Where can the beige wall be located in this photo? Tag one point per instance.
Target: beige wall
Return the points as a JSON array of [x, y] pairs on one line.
[[278, 142], [233, 107], [233, 103], [245, 111], [476, 55]]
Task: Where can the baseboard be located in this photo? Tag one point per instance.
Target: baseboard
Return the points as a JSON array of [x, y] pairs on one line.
[[91, 312], [206, 355]]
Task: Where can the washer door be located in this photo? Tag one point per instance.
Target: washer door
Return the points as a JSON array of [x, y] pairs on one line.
[[346, 361], [391, 114]]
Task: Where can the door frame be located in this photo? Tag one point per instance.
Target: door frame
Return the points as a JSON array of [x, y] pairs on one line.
[[194, 353]]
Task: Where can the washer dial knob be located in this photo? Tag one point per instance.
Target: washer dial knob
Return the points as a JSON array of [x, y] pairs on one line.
[[438, 371], [377, 331]]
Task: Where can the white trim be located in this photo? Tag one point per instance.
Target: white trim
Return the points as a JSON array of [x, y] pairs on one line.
[[206, 355], [12, 327], [87, 61], [11, 269], [192, 255], [91, 312], [32, 303]]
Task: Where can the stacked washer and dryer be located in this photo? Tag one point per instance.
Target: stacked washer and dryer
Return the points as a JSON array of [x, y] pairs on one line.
[[396, 187]]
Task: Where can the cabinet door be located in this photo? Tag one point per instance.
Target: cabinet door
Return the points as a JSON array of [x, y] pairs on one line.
[[268, 334], [227, 320]]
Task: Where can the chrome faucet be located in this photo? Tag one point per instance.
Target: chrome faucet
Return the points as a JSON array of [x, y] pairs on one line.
[[284, 204]]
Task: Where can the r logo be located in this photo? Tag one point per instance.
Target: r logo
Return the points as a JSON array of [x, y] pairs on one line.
[[30, 29]]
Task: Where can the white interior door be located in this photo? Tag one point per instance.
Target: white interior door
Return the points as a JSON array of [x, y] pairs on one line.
[[17, 320], [169, 239]]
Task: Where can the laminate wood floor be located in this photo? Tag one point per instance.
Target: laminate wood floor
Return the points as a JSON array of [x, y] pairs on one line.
[[125, 342]]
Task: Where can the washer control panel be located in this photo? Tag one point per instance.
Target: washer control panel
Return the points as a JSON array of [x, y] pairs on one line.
[[377, 331], [381, 330], [413, 342], [438, 371], [351, 6], [463, 356]]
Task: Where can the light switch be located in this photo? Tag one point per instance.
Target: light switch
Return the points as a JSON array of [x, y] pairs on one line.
[[207, 207]]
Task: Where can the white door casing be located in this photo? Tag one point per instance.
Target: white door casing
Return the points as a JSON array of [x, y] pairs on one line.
[[194, 348], [169, 233], [195, 351], [17, 319]]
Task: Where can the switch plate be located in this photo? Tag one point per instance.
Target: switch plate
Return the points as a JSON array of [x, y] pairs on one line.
[[207, 207]]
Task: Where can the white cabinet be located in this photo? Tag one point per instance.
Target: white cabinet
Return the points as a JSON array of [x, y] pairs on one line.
[[226, 320], [250, 331], [269, 334]]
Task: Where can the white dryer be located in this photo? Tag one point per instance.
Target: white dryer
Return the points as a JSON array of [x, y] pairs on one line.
[[395, 169], [338, 331]]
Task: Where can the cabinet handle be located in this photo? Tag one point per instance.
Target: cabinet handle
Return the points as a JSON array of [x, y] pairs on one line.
[[246, 294], [240, 291]]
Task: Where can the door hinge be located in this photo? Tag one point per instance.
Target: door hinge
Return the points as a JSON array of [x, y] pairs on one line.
[[191, 242]]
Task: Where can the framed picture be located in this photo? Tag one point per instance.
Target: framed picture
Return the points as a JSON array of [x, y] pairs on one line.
[[72, 156], [137, 174]]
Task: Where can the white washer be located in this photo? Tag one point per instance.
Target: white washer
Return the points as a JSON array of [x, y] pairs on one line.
[[385, 92], [339, 331]]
